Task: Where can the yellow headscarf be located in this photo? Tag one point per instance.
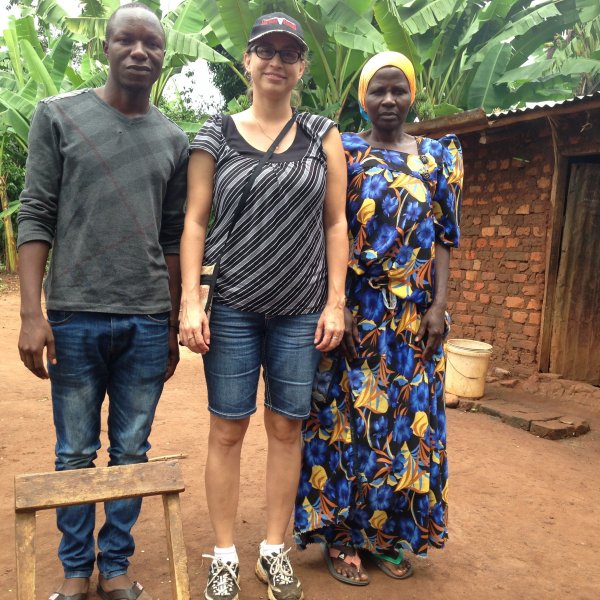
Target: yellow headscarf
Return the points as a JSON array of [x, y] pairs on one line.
[[386, 59]]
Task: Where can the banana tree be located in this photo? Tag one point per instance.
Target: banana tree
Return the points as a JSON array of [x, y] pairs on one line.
[[466, 48], [31, 70]]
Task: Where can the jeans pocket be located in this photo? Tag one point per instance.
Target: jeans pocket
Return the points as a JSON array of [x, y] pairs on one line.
[[159, 318], [59, 317]]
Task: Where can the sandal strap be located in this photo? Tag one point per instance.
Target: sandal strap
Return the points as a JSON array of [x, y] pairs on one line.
[[353, 560]]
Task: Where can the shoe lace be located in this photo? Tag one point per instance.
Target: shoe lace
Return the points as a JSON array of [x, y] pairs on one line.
[[280, 568], [222, 577]]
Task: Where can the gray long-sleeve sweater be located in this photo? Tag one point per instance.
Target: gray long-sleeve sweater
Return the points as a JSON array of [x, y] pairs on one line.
[[107, 192]]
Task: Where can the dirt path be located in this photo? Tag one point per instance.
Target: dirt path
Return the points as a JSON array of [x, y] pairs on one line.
[[525, 516]]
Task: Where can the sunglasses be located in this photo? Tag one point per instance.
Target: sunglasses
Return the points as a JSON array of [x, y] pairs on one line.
[[289, 57]]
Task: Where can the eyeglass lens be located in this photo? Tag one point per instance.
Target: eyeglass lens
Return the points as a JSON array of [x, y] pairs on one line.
[[287, 56]]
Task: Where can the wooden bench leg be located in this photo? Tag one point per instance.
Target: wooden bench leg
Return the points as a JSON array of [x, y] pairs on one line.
[[180, 584], [25, 547]]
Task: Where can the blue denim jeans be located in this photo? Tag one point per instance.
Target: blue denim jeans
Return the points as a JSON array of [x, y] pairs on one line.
[[124, 356], [241, 342]]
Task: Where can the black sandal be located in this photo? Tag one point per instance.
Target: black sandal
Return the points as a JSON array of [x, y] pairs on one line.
[[353, 561]]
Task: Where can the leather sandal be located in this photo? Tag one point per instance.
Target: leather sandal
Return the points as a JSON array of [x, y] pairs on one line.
[[59, 596]]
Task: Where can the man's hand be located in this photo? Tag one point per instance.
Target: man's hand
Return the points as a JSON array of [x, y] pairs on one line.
[[173, 354], [36, 334]]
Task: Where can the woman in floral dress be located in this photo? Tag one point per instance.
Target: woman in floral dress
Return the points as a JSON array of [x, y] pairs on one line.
[[375, 472]]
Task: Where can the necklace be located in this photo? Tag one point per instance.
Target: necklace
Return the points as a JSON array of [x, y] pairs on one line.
[[261, 128]]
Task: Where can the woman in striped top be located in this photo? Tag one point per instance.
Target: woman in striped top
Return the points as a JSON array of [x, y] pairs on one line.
[[279, 298]]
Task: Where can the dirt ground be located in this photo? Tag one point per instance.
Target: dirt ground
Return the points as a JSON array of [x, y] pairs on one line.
[[524, 512]]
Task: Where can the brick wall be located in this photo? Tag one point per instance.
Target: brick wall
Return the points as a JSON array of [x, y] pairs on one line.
[[497, 276]]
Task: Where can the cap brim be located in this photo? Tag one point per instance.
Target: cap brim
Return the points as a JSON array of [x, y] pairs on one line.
[[286, 31]]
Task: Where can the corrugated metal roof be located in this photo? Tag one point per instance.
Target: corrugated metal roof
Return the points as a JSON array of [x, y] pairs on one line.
[[531, 106]]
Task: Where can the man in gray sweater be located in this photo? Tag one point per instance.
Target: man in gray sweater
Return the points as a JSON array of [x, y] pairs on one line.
[[105, 188]]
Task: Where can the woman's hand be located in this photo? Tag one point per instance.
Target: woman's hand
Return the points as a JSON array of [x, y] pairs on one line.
[[351, 338], [194, 331], [431, 330], [330, 328]]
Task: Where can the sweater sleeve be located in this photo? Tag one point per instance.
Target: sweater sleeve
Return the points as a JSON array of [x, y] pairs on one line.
[[39, 198], [174, 206]]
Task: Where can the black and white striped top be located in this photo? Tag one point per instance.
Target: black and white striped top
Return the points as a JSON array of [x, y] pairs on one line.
[[275, 260]]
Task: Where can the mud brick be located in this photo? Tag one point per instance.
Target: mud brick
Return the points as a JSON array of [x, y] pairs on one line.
[[498, 299], [488, 276], [481, 243], [494, 311], [463, 319], [536, 257], [476, 265], [519, 278], [531, 290], [484, 321], [531, 331], [478, 286], [497, 242], [535, 318], [512, 243], [503, 277], [528, 345], [484, 298], [557, 429], [518, 256], [544, 183], [470, 296], [523, 231], [524, 209], [502, 210], [519, 317], [514, 302], [496, 220], [488, 231], [538, 268], [504, 231], [534, 304]]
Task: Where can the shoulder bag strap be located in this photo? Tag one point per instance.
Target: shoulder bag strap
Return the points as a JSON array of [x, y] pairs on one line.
[[252, 178]]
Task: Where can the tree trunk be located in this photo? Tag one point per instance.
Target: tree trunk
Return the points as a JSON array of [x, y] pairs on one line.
[[10, 246]]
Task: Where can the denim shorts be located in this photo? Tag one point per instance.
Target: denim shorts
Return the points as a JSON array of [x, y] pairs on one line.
[[240, 343]]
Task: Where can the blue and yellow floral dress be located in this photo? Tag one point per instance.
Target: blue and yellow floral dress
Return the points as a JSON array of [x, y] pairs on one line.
[[375, 473]]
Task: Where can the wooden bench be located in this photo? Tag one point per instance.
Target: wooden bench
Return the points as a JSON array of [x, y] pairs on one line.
[[41, 491]]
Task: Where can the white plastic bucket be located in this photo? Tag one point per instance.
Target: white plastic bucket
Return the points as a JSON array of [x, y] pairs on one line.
[[466, 367]]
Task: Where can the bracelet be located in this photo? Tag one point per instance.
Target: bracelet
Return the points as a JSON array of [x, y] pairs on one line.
[[174, 324]]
